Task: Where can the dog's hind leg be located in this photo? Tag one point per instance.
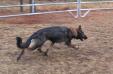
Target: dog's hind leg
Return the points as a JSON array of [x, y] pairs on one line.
[[39, 49], [46, 52], [22, 52]]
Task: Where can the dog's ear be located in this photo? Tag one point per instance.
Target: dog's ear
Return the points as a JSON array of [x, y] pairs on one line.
[[79, 27]]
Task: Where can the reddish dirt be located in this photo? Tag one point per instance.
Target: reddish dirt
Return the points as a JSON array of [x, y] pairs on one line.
[[95, 55]]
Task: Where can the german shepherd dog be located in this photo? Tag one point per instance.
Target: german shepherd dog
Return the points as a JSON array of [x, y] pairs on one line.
[[54, 34]]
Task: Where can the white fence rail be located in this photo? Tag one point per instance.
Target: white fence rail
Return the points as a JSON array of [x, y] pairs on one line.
[[78, 9]]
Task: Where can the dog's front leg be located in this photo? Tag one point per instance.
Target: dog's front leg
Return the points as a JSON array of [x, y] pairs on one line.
[[68, 43]]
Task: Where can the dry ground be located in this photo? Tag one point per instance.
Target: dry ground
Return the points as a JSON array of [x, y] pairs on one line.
[[95, 55]]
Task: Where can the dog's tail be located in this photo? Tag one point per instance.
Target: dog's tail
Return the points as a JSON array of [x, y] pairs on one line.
[[22, 45]]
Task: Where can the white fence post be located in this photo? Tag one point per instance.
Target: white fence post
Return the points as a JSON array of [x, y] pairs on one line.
[[32, 7], [78, 8]]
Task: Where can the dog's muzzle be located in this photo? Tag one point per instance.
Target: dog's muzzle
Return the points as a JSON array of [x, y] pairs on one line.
[[85, 37]]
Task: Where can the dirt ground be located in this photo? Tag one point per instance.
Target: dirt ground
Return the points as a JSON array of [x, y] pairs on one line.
[[95, 55]]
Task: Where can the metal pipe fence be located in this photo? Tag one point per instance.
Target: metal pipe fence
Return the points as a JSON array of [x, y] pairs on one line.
[[78, 8]]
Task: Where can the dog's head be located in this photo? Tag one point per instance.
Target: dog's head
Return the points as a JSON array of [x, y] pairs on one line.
[[80, 34]]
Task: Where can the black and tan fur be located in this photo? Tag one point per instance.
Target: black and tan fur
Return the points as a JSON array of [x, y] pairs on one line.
[[55, 34]]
